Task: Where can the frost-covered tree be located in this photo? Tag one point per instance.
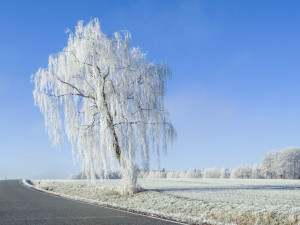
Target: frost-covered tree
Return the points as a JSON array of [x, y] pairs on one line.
[[241, 172], [156, 174], [288, 165], [284, 164], [256, 173], [211, 173], [114, 174], [108, 100], [224, 173], [194, 174], [268, 165], [173, 174]]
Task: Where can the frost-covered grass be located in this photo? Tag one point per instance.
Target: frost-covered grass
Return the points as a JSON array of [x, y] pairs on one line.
[[214, 201]]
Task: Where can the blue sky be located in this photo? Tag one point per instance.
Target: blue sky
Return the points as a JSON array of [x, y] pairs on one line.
[[234, 94]]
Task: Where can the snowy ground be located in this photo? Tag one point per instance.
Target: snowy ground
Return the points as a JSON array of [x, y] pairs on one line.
[[214, 201]]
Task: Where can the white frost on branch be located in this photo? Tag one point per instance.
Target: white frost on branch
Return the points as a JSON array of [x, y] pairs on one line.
[[108, 100]]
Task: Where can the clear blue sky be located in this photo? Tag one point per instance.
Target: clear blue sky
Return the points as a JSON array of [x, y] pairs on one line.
[[233, 97]]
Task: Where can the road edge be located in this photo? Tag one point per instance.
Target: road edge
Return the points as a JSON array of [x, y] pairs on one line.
[[28, 184]]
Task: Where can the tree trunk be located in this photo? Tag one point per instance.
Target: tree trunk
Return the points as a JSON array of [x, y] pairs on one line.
[[116, 144], [129, 172]]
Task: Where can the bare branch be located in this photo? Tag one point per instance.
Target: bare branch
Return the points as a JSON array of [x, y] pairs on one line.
[[136, 122], [80, 92], [77, 60], [107, 73], [63, 95]]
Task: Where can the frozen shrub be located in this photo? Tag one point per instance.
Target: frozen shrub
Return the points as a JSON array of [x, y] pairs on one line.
[[173, 174], [194, 174], [112, 174]]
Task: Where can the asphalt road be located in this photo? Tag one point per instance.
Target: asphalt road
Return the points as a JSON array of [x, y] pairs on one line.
[[22, 206]]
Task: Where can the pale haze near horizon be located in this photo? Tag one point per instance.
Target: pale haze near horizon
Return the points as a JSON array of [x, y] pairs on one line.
[[234, 93]]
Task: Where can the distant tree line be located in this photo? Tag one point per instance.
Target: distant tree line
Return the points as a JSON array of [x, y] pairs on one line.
[[113, 174], [284, 164]]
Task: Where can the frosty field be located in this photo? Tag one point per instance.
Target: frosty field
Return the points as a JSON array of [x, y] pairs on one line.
[[195, 201]]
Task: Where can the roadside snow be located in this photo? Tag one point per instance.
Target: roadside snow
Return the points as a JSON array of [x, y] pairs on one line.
[[196, 201]]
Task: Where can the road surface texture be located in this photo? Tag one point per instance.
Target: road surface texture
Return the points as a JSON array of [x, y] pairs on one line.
[[22, 206]]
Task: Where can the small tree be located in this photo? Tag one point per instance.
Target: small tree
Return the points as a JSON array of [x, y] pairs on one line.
[[107, 99]]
